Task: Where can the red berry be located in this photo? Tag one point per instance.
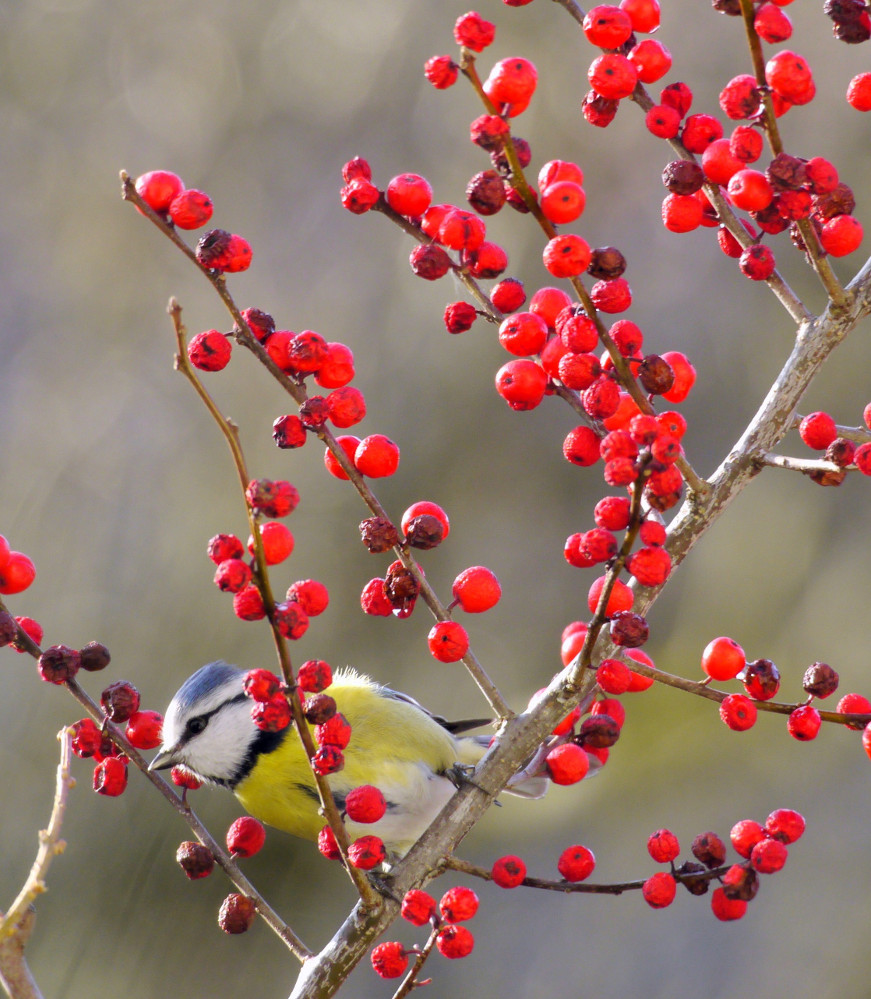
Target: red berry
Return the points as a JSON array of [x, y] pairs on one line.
[[523, 333], [621, 598], [358, 196], [185, 779], [245, 837], [389, 959], [476, 589], [367, 852], [272, 715], [818, 430], [662, 121], [458, 904], [851, 704], [472, 31], [566, 256], [745, 835], [613, 676], [681, 212], [750, 190], [771, 24], [576, 863], [804, 723], [16, 573], [768, 856], [441, 71], [607, 27], [612, 76], [699, 131], [659, 890], [314, 675], [789, 75], [757, 262], [261, 684], [567, 764], [455, 941], [224, 546], [581, 446], [521, 383], [448, 641], [191, 209], [785, 825], [144, 729], [663, 846], [110, 776], [841, 235], [418, 907], [409, 194], [859, 92], [738, 712], [557, 170], [723, 659], [511, 81], [426, 508], [644, 14], [740, 98], [651, 59], [761, 679], [508, 295], [726, 908], [650, 566], [563, 202], [365, 804], [159, 188], [508, 872]]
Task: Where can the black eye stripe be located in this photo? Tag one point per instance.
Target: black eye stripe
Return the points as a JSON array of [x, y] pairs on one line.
[[202, 720]]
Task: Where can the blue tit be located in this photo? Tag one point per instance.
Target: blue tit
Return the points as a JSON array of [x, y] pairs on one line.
[[398, 746]]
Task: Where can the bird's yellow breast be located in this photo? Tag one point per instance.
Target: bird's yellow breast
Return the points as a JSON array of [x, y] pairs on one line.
[[394, 745]]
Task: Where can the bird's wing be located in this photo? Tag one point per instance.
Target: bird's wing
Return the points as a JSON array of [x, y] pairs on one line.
[[454, 727]]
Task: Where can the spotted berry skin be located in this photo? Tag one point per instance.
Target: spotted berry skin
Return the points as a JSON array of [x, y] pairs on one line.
[[508, 871]]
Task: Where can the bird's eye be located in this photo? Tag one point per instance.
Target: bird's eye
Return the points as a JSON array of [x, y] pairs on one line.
[[196, 725]]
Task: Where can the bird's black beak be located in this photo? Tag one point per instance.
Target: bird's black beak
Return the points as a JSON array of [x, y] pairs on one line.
[[165, 758]]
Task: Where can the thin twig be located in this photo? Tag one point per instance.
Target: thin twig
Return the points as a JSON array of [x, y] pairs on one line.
[[50, 843]]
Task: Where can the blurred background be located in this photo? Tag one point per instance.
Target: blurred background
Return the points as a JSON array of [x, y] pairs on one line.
[[114, 478]]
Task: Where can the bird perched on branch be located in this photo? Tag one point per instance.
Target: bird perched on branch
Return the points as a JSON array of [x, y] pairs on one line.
[[409, 754]]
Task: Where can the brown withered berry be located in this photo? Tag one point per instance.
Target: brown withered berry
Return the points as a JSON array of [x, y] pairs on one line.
[[485, 192], [195, 859], [741, 881], [820, 680], [120, 700], [709, 849], [237, 913], [606, 262], [786, 171], [683, 176], [655, 374], [424, 532], [598, 732], [378, 534], [319, 708], [629, 629], [841, 201], [400, 585], [94, 657], [694, 885]]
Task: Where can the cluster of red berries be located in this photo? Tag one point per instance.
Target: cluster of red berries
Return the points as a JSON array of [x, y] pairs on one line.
[[332, 733], [789, 190], [723, 659], [763, 847], [452, 940], [187, 208], [306, 598], [17, 572], [424, 525], [120, 702], [819, 431], [245, 837]]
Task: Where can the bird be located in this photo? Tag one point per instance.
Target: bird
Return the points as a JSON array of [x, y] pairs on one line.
[[415, 758]]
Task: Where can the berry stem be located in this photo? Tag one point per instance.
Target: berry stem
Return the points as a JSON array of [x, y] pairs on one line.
[[368, 895], [411, 979], [573, 888], [816, 256], [50, 845]]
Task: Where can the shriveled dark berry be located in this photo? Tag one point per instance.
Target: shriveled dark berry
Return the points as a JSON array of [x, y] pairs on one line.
[[655, 374], [425, 532], [820, 680], [94, 657], [606, 263], [683, 176], [378, 534]]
